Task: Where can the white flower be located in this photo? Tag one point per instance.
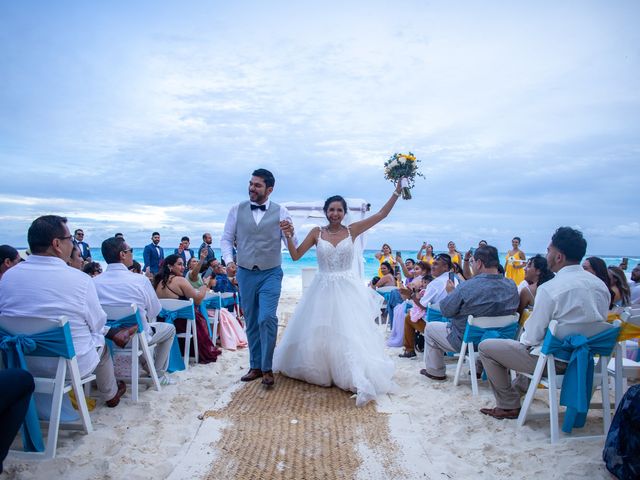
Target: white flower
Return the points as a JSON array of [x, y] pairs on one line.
[[402, 160], [393, 164]]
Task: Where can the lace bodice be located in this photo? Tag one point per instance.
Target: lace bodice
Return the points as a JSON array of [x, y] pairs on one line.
[[335, 259]]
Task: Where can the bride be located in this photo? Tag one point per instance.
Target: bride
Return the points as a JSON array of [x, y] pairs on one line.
[[332, 338]]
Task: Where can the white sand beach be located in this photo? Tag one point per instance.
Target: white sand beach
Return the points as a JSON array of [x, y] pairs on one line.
[[437, 430]]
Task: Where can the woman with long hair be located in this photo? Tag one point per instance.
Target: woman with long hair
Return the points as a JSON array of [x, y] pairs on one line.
[[385, 255], [169, 282], [597, 267], [456, 256], [514, 266], [535, 274], [620, 287]]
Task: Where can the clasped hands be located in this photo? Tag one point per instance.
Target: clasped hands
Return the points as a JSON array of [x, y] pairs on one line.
[[287, 228]]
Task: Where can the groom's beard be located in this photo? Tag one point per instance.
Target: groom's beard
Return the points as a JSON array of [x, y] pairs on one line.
[[257, 198]]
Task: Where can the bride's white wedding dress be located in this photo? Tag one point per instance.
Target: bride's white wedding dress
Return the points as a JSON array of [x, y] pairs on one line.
[[332, 338]]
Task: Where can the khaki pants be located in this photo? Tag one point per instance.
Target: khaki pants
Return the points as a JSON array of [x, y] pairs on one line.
[[410, 329], [436, 344], [105, 377]]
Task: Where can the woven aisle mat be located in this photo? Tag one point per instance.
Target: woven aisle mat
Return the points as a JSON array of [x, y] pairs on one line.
[[299, 431]]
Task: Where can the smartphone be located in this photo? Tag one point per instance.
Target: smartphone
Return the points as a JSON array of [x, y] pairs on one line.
[[399, 254], [396, 270], [452, 276], [472, 250]]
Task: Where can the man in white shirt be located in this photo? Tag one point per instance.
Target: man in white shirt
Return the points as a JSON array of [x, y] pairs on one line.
[[61, 290], [433, 294], [118, 286], [572, 296], [634, 284]]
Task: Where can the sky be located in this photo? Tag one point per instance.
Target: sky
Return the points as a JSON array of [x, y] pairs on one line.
[[140, 116]]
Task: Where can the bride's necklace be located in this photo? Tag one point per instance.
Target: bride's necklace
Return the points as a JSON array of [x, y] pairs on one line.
[[326, 229]]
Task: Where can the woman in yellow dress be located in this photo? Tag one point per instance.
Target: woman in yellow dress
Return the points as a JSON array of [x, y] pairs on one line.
[[456, 256], [384, 255], [514, 266], [428, 253]]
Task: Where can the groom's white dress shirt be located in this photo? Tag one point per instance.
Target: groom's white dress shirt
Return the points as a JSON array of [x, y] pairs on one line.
[[46, 287], [226, 242]]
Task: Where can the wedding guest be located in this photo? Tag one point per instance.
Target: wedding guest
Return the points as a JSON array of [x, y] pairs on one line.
[[620, 287], [487, 294], [596, 266], [135, 266], [514, 265], [16, 385], [62, 291], [75, 260], [434, 293], [456, 256], [93, 269], [170, 283], [153, 254], [119, 235], [635, 285], [386, 276], [535, 274], [207, 240], [385, 255], [117, 286], [406, 267], [9, 257], [78, 240], [193, 275], [572, 296], [428, 253], [184, 251]]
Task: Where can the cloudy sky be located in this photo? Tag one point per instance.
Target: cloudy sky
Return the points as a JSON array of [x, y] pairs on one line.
[[141, 116]]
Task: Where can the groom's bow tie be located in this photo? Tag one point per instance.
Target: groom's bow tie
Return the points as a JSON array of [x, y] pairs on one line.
[[258, 207]]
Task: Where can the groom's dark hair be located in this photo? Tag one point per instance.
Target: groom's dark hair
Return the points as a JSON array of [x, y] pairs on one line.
[[266, 175]]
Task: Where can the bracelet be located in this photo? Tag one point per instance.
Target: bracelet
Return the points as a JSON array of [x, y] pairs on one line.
[[397, 194]]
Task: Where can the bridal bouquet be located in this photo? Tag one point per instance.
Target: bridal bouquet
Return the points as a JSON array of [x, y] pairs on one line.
[[403, 167]]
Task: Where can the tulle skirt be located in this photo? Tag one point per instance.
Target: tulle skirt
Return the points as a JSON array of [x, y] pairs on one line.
[[332, 339]]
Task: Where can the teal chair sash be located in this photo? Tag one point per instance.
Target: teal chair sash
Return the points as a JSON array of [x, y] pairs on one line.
[[52, 343], [475, 335], [434, 315], [578, 351], [176, 363]]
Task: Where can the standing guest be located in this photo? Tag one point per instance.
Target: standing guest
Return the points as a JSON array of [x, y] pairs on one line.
[[170, 283], [16, 385], [184, 251], [385, 255], [482, 243], [620, 287], [433, 294], [117, 286], [75, 260], [514, 266], [596, 266], [62, 291], [206, 244], [535, 274], [119, 235], [456, 256], [635, 285], [9, 257], [573, 296], [428, 253], [254, 226], [487, 294], [78, 240], [153, 254], [93, 269]]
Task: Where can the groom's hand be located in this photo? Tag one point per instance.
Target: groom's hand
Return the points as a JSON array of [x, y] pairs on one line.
[[287, 228]]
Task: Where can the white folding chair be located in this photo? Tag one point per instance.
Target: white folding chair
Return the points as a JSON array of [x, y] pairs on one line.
[[213, 302], [467, 350], [137, 347], [621, 367], [191, 332], [382, 291], [553, 381], [66, 378]]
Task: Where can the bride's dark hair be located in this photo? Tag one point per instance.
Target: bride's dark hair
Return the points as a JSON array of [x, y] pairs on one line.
[[330, 200]]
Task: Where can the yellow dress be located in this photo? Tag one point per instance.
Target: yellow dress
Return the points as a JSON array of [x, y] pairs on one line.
[[515, 274], [389, 259], [455, 258], [427, 259]]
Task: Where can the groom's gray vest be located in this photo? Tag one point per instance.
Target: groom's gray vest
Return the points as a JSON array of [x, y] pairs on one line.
[[258, 245]]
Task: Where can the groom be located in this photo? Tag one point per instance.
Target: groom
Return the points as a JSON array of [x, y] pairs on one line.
[[254, 226]]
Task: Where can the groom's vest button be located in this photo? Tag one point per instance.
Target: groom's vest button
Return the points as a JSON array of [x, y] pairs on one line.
[[255, 267]]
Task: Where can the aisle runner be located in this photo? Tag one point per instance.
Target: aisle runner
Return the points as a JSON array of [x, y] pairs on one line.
[[299, 431]]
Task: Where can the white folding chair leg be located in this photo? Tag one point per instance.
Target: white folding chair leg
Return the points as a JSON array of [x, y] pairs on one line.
[[56, 407], [606, 400], [472, 369], [135, 369], [619, 373], [80, 397], [528, 399], [463, 352], [187, 343], [195, 339], [553, 400], [146, 353]]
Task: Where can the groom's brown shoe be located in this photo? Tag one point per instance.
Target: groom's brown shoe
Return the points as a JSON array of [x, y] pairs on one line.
[[252, 374], [267, 379]]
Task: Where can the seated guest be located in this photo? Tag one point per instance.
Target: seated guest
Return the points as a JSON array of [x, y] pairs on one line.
[[223, 284], [193, 275], [93, 269], [135, 266], [635, 285], [9, 257], [61, 291], [597, 267], [487, 294], [117, 286], [386, 279], [434, 293], [170, 283], [573, 296], [620, 287], [75, 260], [374, 282], [210, 273], [457, 270], [535, 274]]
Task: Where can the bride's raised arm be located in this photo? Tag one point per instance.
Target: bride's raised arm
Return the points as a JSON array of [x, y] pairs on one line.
[[362, 226], [297, 252]]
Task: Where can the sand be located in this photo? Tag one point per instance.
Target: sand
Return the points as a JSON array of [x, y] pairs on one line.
[[434, 430]]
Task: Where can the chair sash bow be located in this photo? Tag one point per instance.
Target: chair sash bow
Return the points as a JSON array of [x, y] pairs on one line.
[[475, 335]]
